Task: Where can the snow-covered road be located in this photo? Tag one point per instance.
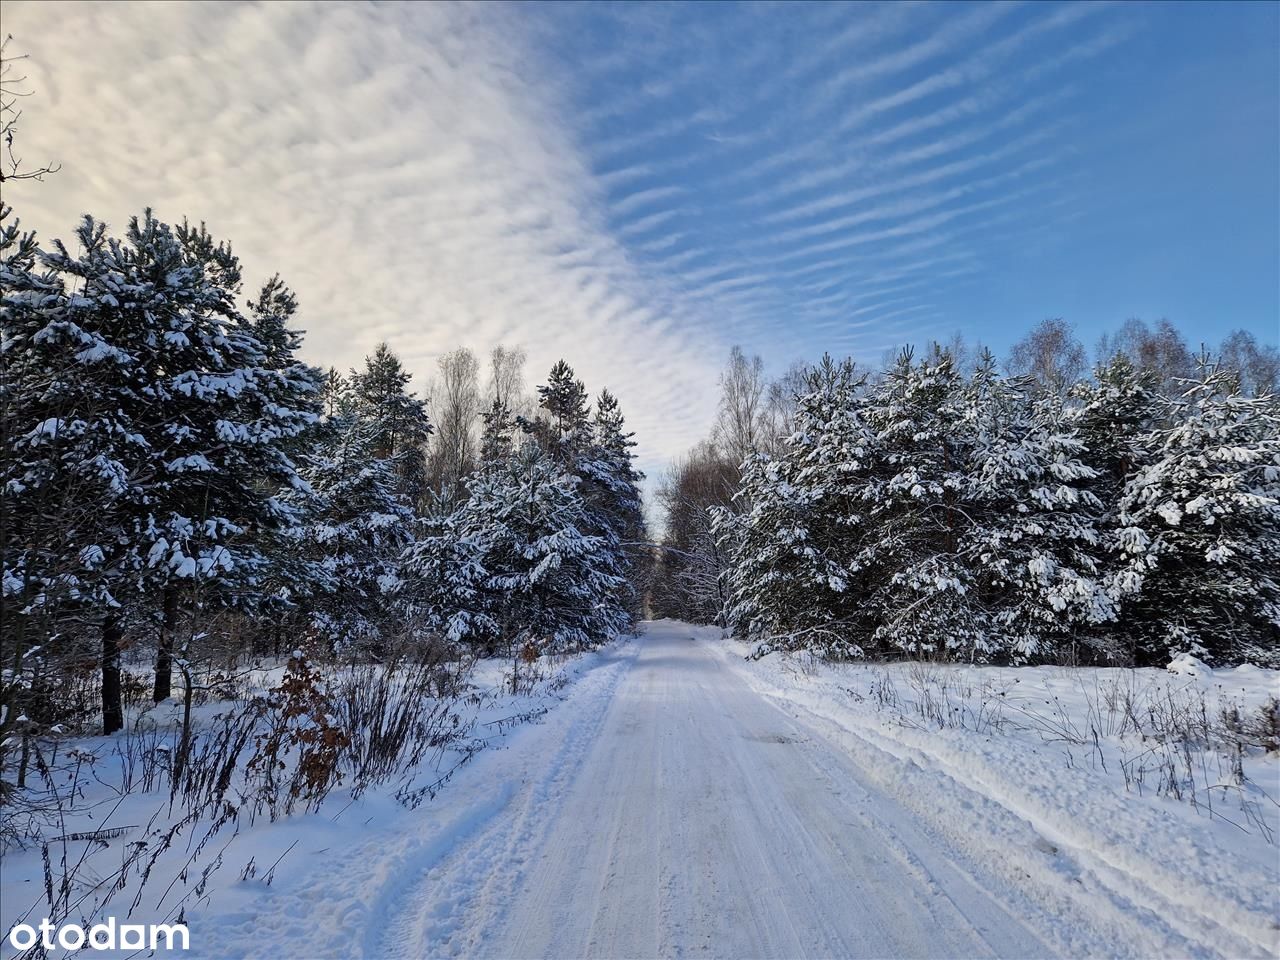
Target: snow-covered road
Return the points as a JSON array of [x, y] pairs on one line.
[[676, 800], [684, 814]]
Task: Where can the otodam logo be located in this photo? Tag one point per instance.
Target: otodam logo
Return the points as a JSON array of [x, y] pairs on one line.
[[101, 936]]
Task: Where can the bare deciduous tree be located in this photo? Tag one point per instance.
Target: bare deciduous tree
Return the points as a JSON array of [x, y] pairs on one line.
[[506, 379], [964, 354], [1160, 351], [456, 399], [1256, 364], [742, 397], [12, 88], [1051, 354], [687, 580], [780, 407]]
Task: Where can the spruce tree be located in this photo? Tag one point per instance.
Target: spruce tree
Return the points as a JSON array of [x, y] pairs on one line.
[[1118, 415], [1033, 539]]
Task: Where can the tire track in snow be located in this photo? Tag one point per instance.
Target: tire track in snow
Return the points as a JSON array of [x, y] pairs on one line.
[[442, 906], [699, 824], [1116, 911]]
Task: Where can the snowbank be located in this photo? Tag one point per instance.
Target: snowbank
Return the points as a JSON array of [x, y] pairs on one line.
[[1152, 793], [316, 884]]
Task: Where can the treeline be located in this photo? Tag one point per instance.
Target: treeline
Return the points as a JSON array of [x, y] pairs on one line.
[[180, 487], [951, 507]]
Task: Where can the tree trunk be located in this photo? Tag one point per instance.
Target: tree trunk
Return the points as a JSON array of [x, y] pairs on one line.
[[112, 708], [164, 654], [184, 745], [24, 758]]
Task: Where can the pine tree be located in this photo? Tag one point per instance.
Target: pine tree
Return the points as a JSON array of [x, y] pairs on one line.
[[564, 398], [513, 564], [288, 576], [65, 436], [356, 527], [1117, 415], [1200, 529], [30, 301], [1033, 541], [399, 419], [42, 572], [270, 316], [916, 506], [446, 593], [496, 435], [797, 578], [332, 391], [611, 488], [165, 413]]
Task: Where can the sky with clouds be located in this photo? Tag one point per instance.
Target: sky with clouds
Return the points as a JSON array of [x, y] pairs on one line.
[[637, 187]]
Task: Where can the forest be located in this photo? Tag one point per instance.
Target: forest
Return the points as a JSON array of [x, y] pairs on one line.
[[947, 505], [177, 479], [181, 489]]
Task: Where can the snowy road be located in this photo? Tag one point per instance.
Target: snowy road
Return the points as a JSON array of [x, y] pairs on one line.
[[683, 814]]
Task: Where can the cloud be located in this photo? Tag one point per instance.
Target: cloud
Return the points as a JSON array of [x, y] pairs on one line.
[[391, 162], [631, 187]]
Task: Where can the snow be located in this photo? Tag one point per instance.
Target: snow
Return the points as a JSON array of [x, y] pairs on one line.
[[1004, 765], [353, 856], [671, 797], [1188, 666], [671, 810]]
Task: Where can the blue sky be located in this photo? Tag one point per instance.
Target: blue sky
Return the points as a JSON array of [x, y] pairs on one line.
[[968, 166], [639, 187]]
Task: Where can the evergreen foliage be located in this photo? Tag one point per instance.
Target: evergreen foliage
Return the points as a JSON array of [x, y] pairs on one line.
[[514, 561], [169, 462], [988, 517]]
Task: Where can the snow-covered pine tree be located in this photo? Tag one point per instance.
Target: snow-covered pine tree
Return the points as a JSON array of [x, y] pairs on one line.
[[356, 526], [399, 419], [1033, 540], [160, 405], [612, 493], [796, 580], [496, 435], [1117, 415], [334, 567], [514, 565], [30, 300], [50, 482], [565, 430], [246, 409], [1200, 530], [270, 315], [916, 502], [77, 368], [332, 390], [445, 593]]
